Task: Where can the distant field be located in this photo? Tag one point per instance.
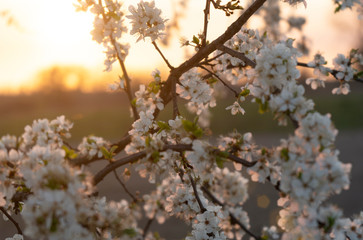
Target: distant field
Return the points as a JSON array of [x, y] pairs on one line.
[[108, 115]]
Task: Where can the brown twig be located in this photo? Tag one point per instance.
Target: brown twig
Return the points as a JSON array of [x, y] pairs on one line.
[[208, 60], [147, 226], [238, 55], [124, 187], [127, 80], [221, 80], [78, 161], [12, 220], [234, 220], [162, 55], [202, 208], [179, 148], [332, 72], [122, 65], [174, 97], [206, 18]]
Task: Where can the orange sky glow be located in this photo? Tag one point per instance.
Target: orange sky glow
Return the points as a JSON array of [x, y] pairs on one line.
[[47, 33]]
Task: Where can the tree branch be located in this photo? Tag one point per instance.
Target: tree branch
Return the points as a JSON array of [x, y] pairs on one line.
[[124, 187], [221, 80], [127, 79], [206, 18], [332, 72], [233, 220], [202, 208], [179, 148], [12, 220], [194, 61], [147, 226], [122, 65], [238, 55], [118, 163], [78, 161], [162, 55]]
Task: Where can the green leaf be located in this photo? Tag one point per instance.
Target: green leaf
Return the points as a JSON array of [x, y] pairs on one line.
[[223, 154], [114, 16], [113, 149], [284, 154], [130, 232], [154, 87], [163, 125], [106, 153], [337, 9], [245, 92], [264, 237], [70, 153], [263, 151], [359, 74], [198, 133], [196, 40], [331, 222], [212, 80], [156, 236], [263, 107], [192, 127], [155, 156], [219, 161], [54, 224], [90, 141], [147, 141]]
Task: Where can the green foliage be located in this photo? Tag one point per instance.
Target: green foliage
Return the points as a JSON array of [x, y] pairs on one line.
[[192, 127], [130, 232], [284, 154], [108, 154], [70, 153], [331, 222]]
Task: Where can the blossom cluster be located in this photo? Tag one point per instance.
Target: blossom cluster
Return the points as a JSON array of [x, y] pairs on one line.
[[345, 70], [246, 41], [108, 28], [146, 20], [43, 178], [198, 92]]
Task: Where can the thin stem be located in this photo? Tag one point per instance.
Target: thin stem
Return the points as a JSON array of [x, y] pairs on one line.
[[162, 55], [221, 80], [202, 208], [208, 60], [127, 80], [147, 226], [234, 220], [118, 163], [293, 121], [12, 220], [331, 71], [179, 148], [123, 68], [206, 18], [175, 100], [124, 187], [238, 55], [173, 86]]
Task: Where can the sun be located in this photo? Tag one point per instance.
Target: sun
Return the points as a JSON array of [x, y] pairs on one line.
[[64, 32]]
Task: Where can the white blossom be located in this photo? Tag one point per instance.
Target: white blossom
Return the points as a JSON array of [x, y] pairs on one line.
[[146, 20]]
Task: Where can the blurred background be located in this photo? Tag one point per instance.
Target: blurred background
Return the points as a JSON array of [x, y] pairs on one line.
[[49, 66]]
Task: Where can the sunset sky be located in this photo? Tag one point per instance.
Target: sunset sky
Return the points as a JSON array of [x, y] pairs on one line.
[[50, 32]]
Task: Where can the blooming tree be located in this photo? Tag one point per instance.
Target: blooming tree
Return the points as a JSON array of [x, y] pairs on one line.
[[44, 180]]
